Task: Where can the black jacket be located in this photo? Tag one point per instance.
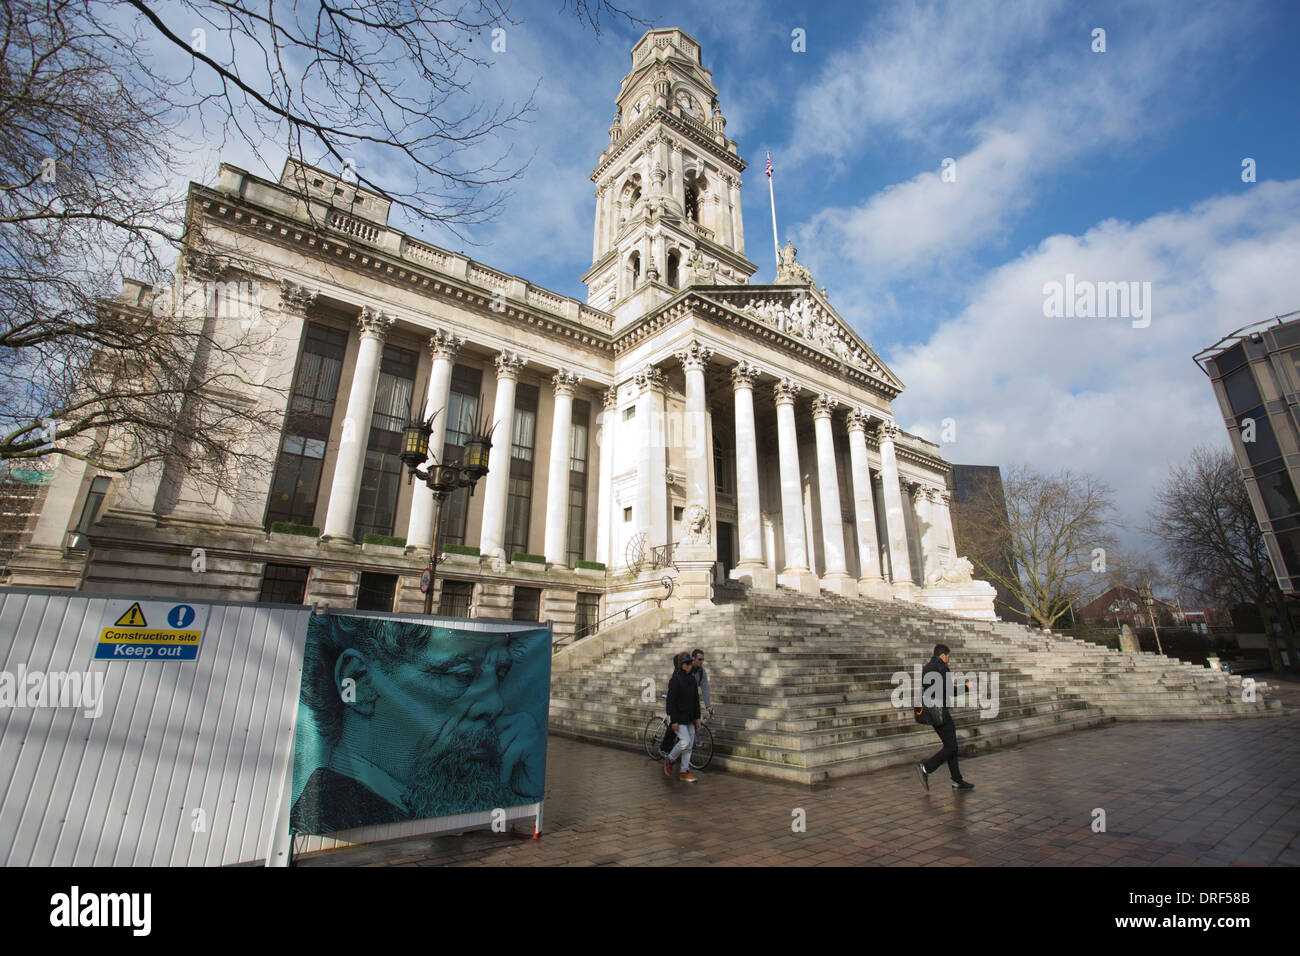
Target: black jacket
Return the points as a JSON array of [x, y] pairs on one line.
[[683, 699], [936, 666]]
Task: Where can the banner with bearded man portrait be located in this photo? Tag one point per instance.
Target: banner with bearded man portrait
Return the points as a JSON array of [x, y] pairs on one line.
[[399, 720]]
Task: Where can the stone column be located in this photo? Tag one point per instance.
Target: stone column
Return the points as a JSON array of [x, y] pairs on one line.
[[726, 218], [605, 505], [828, 485], [749, 515], [676, 181], [696, 549], [943, 515], [652, 462], [737, 220], [926, 531], [797, 573], [492, 539], [610, 225], [894, 521], [442, 347], [557, 480], [694, 358], [342, 512], [597, 228], [870, 581]]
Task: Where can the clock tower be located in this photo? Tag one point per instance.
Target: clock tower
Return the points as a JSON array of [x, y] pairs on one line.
[[667, 185]]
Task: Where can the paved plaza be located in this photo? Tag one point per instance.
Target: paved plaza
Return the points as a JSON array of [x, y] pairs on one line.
[[1207, 793]]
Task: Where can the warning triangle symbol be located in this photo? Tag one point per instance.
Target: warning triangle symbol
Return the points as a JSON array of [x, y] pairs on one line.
[[134, 617]]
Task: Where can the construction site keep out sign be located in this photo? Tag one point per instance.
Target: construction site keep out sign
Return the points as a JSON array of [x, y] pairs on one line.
[[151, 631]]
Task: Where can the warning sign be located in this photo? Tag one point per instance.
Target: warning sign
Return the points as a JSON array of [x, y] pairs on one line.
[[134, 617], [152, 631]]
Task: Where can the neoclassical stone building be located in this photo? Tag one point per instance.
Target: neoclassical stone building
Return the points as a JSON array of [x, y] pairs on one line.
[[680, 422]]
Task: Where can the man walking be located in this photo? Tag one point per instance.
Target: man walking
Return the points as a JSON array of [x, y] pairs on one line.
[[936, 673], [683, 718], [701, 678]]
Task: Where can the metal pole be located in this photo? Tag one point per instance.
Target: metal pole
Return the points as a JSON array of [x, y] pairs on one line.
[[433, 555], [776, 246]]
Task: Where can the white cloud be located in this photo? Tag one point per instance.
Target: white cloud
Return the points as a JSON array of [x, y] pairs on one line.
[[1097, 394]]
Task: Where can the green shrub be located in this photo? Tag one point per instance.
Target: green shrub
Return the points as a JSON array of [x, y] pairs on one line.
[[287, 527], [530, 558], [461, 549], [385, 539], [589, 565]]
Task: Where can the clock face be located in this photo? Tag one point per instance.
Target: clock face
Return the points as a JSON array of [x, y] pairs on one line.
[[688, 104], [642, 104]]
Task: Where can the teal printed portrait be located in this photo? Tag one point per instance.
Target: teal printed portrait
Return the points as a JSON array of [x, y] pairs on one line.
[[404, 721]]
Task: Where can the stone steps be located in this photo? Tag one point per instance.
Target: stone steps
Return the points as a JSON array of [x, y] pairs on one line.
[[803, 686]]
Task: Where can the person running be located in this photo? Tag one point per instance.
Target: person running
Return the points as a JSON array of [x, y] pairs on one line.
[[683, 718], [947, 730]]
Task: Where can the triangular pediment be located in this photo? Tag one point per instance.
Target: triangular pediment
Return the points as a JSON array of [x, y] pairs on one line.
[[804, 314]]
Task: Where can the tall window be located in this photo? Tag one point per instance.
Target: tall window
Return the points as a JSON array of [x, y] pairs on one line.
[[523, 438], [455, 599], [382, 478], [721, 468], [588, 614], [578, 480], [307, 426], [376, 592], [527, 605], [462, 411]]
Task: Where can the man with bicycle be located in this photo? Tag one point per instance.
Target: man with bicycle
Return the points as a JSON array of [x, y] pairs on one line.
[[701, 678], [683, 717]]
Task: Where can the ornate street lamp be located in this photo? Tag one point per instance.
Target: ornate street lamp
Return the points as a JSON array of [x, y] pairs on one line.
[[443, 479], [1149, 600]]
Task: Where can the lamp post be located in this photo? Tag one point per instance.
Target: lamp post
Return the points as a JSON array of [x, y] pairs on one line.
[[443, 479], [1149, 600]]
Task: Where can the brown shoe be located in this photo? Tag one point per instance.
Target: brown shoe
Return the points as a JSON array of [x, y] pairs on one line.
[[687, 777], [668, 766]]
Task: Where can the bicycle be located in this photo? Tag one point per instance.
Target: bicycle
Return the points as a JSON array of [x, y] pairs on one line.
[[657, 726]]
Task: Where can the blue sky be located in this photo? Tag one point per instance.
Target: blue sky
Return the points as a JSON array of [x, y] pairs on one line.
[[1115, 166]]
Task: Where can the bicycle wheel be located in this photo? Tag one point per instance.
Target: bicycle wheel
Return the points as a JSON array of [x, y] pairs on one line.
[[654, 735], [702, 753]]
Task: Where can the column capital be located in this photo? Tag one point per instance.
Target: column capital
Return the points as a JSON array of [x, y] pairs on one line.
[[565, 382], [744, 375], [375, 324], [610, 399], [858, 419], [294, 298], [918, 491], [943, 496], [508, 365], [889, 431], [649, 378], [444, 345], [785, 390], [695, 356], [823, 406]]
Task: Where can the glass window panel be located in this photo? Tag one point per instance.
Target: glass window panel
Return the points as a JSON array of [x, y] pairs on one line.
[[1264, 448], [1278, 494], [1242, 391]]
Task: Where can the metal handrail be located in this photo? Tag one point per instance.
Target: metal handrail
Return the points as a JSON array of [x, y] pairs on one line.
[[667, 581]]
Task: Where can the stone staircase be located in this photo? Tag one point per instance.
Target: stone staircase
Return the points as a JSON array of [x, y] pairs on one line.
[[802, 685]]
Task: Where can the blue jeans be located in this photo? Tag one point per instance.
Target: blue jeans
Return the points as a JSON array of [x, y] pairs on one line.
[[685, 742]]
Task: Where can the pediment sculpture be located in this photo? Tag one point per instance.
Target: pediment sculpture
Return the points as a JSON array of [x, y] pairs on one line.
[[803, 317]]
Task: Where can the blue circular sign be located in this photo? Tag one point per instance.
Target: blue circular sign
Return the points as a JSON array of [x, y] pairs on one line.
[[180, 616]]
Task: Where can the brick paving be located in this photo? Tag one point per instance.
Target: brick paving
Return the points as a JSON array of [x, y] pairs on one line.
[[1196, 793]]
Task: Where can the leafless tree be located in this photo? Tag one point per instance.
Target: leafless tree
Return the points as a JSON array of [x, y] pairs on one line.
[[1042, 547], [97, 101], [1203, 516]]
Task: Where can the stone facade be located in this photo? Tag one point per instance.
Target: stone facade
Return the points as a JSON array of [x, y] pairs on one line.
[[680, 423]]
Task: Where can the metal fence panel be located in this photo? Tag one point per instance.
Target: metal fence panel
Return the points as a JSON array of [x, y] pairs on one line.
[[188, 762]]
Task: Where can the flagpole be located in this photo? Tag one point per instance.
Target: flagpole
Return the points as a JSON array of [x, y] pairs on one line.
[[776, 246]]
